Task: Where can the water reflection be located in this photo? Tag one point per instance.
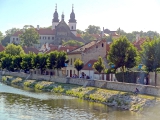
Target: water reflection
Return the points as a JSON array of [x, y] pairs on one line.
[[16, 104]]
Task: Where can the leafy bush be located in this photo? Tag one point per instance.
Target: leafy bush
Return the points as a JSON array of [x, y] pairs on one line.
[[39, 86], [4, 78], [58, 89], [17, 80]]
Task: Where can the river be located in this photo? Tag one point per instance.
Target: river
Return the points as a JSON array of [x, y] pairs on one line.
[[18, 104]]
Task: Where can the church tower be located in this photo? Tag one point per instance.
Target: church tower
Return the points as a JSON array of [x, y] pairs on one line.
[[55, 20], [72, 22]]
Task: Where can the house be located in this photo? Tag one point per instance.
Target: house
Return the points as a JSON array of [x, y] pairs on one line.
[[59, 31], [87, 52]]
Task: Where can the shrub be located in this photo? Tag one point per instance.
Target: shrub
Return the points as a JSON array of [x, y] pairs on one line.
[[17, 80], [58, 89], [4, 78], [39, 86]]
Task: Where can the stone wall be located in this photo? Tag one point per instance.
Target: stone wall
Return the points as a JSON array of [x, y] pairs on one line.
[[130, 87]]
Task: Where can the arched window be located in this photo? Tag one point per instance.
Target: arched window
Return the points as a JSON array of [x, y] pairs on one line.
[[102, 44]]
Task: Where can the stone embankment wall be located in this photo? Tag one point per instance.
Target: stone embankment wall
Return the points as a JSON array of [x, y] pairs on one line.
[[129, 87]]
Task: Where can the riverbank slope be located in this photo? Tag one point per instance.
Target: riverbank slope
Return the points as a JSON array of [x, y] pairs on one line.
[[124, 100]]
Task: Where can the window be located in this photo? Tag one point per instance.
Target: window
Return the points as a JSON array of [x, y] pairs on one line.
[[17, 39], [72, 27], [74, 59], [40, 37], [48, 38], [102, 44], [97, 46], [52, 38], [13, 38], [67, 72]]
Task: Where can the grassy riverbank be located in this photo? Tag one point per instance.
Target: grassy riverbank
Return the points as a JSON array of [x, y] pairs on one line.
[[125, 100]]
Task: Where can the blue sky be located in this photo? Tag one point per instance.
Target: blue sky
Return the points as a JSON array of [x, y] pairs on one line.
[[129, 15]]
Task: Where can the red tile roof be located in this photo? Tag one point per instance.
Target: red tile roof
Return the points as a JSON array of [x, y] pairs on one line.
[[139, 42], [41, 31], [86, 66], [1, 48], [30, 49]]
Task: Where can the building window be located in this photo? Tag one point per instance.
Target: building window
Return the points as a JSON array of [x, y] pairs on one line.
[[13, 38], [17, 39], [102, 44], [74, 59], [39, 37], [72, 27], [52, 38], [67, 72], [97, 46], [48, 38]]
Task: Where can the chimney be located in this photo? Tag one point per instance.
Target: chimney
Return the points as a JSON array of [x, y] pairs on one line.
[[37, 27]]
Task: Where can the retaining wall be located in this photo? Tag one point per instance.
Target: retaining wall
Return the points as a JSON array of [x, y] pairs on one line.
[[130, 87]]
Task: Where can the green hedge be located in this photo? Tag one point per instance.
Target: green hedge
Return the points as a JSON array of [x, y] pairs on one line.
[[130, 77]]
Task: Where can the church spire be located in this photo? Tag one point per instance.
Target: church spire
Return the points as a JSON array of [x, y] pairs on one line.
[[72, 16], [62, 17], [55, 15]]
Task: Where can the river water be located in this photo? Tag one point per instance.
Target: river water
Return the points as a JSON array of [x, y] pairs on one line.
[[18, 104]]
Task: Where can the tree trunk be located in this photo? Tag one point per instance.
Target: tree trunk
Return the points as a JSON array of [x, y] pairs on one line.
[[155, 78], [78, 74], [123, 73]]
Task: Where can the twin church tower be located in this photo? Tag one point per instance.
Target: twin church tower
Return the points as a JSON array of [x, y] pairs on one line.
[[72, 21]]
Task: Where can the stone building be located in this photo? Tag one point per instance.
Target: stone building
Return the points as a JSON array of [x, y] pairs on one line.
[[87, 52], [59, 31]]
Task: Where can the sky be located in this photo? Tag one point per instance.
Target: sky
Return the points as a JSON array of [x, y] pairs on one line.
[[129, 15]]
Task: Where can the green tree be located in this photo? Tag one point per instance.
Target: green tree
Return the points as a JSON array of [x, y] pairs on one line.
[[61, 60], [79, 31], [92, 29], [150, 56], [26, 63], [52, 59], [40, 62], [5, 40], [12, 49], [10, 32], [87, 37], [99, 65], [78, 64], [16, 62], [73, 43], [6, 62], [123, 54], [29, 37], [1, 36]]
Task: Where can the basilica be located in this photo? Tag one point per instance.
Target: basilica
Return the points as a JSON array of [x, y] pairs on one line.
[[60, 31]]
